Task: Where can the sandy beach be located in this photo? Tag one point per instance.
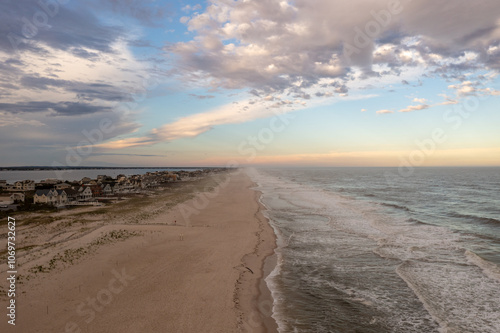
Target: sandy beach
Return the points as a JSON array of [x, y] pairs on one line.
[[187, 260]]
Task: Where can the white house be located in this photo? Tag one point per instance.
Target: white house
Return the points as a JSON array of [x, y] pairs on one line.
[[46, 197], [107, 189], [62, 197], [50, 197], [85, 193], [17, 197], [116, 188], [25, 185], [28, 185]]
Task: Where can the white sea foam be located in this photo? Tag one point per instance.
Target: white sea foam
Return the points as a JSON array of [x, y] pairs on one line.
[[460, 298], [489, 268]]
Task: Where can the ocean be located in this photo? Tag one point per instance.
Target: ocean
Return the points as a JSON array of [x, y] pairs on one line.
[[373, 250]]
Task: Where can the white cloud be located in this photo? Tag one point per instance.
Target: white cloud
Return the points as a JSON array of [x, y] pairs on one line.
[[415, 108], [120, 70], [469, 88], [189, 8], [384, 112], [464, 89], [196, 124], [280, 45], [58, 94], [447, 100]]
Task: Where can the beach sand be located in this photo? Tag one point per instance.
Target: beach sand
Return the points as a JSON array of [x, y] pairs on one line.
[[140, 271]]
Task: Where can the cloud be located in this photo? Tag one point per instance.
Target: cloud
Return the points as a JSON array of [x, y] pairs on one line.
[[64, 29], [189, 8], [70, 87], [277, 46], [64, 80], [71, 66], [196, 124], [448, 100], [202, 96], [88, 91], [470, 88], [462, 90], [415, 108], [58, 132], [116, 154], [130, 142], [363, 110], [11, 120], [75, 67], [466, 88], [384, 112], [62, 108]]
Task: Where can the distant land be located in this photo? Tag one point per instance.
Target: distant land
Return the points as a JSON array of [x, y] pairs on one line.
[[24, 168]]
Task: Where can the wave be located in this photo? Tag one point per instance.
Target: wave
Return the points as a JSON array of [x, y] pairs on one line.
[[449, 292], [490, 269], [415, 221], [395, 206], [429, 279], [475, 218]]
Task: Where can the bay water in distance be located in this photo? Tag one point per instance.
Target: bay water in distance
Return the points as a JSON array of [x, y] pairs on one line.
[[367, 250]]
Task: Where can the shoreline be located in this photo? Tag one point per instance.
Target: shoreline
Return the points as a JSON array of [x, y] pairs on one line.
[[203, 272], [258, 313]]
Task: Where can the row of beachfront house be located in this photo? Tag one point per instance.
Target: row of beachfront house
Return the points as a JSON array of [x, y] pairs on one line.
[[56, 192], [24, 185], [50, 197], [62, 197], [64, 193], [108, 187]]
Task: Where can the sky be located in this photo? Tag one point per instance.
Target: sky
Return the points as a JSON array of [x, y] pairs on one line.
[[400, 83]]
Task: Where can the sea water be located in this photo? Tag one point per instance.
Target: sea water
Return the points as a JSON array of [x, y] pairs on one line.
[[380, 250]]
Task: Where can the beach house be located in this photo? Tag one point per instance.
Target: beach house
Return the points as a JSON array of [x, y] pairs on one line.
[[25, 185], [107, 188], [62, 186], [62, 197], [96, 190], [17, 197], [71, 194], [48, 197], [85, 180], [85, 193]]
